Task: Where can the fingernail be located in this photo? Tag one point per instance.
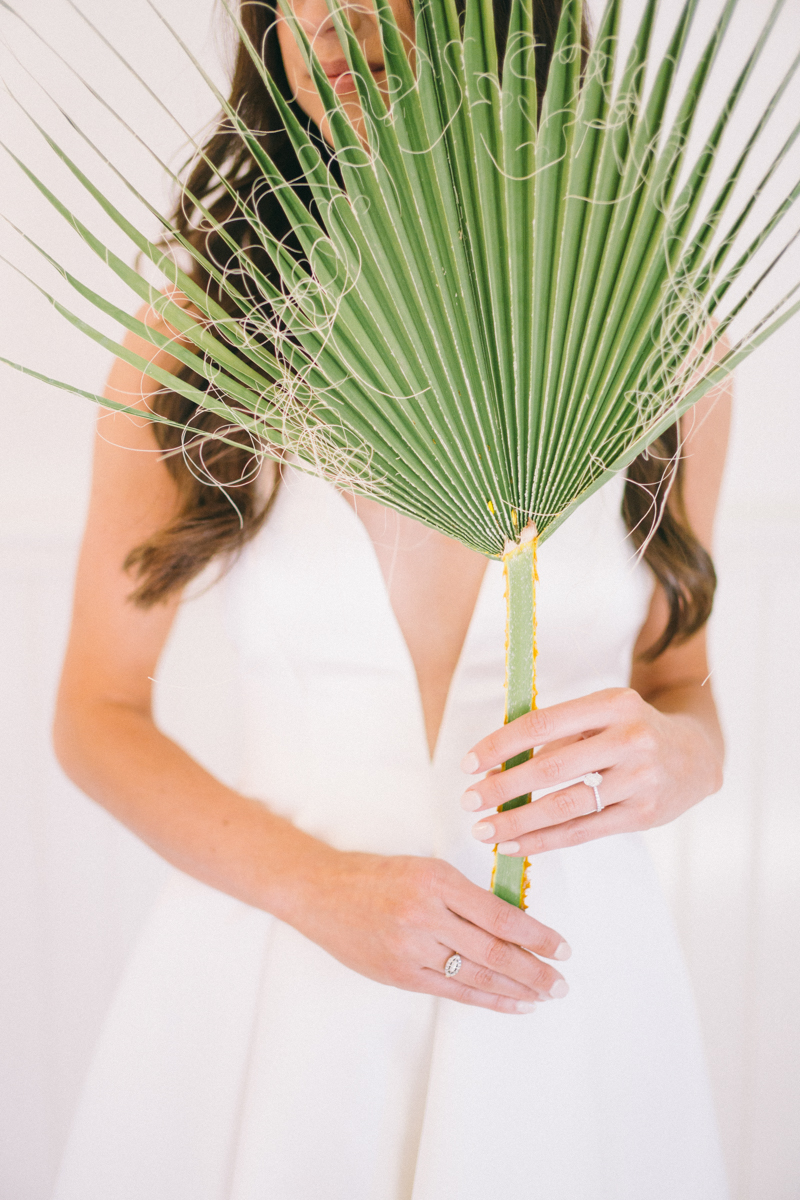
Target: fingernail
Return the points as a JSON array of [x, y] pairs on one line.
[[564, 951], [470, 801], [469, 764], [483, 831], [508, 848], [559, 989], [522, 1006]]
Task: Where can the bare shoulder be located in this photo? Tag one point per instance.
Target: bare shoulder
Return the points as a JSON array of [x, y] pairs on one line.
[[132, 491], [705, 432], [129, 385]]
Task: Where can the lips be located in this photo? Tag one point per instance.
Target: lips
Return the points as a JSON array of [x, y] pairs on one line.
[[340, 76]]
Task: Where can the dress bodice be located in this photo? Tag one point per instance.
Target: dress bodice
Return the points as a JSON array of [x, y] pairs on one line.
[[329, 688]]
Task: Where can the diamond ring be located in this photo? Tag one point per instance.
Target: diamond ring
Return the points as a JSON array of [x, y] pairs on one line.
[[453, 965], [593, 780]]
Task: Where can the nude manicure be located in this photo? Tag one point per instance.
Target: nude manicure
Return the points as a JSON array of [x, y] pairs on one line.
[[559, 989], [469, 764], [470, 801], [523, 1006], [483, 831], [564, 950], [508, 848]]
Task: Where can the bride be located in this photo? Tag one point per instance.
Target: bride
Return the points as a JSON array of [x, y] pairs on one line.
[[286, 1027]]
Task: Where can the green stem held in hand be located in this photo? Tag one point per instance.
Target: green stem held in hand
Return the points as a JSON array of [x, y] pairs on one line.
[[519, 565]]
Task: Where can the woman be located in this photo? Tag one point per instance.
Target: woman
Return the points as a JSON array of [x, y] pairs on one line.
[[286, 1027]]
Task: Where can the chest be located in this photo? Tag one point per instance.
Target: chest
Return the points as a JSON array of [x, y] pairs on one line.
[[319, 589]]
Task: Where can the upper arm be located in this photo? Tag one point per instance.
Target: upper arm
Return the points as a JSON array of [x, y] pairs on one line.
[[704, 434], [113, 644]]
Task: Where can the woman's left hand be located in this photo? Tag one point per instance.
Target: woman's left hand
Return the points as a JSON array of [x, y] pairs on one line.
[[655, 765]]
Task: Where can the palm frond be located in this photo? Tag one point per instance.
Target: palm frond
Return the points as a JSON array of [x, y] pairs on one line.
[[499, 307]]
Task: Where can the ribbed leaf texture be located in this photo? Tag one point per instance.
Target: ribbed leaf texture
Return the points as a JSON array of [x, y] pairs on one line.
[[503, 307]]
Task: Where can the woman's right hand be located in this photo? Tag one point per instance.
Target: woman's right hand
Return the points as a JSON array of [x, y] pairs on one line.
[[398, 919]]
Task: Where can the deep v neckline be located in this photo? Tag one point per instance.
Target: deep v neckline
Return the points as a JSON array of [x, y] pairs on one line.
[[364, 536]]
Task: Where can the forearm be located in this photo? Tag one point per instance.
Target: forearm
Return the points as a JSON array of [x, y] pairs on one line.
[[119, 758]]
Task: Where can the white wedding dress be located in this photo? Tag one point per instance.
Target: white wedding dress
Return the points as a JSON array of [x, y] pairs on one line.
[[241, 1062]]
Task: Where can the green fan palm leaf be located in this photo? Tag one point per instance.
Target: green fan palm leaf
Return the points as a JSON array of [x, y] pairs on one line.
[[503, 299]]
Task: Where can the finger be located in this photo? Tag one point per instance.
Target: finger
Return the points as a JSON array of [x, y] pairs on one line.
[[534, 729], [546, 770], [435, 984], [559, 743], [618, 818], [578, 800], [503, 920], [484, 978], [492, 959]]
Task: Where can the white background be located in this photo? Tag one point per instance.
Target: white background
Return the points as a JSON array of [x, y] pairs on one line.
[[74, 886]]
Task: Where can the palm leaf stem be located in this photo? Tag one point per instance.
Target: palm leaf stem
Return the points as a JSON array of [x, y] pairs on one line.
[[519, 569]]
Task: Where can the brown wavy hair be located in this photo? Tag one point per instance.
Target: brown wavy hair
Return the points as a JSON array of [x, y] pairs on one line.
[[219, 508]]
